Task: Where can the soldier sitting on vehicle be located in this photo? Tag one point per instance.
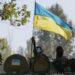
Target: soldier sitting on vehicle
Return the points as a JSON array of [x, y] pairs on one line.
[[61, 62]]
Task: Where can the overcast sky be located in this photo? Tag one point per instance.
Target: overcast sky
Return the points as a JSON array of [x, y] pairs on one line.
[[18, 36]]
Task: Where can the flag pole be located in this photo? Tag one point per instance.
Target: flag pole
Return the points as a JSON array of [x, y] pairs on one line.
[[33, 16], [33, 29]]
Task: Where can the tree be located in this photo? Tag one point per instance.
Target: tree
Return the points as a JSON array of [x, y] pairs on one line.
[[29, 50], [21, 51], [58, 11], [49, 41], [5, 50], [3, 44], [14, 14]]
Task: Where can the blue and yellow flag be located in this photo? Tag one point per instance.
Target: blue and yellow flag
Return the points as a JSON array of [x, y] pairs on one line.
[[46, 20]]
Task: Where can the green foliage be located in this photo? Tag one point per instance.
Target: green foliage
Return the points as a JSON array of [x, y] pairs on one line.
[[25, 14], [3, 44], [8, 11], [12, 13], [5, 51]]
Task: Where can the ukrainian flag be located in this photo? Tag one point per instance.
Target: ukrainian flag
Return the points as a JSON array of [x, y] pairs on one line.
[[45, 20]]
